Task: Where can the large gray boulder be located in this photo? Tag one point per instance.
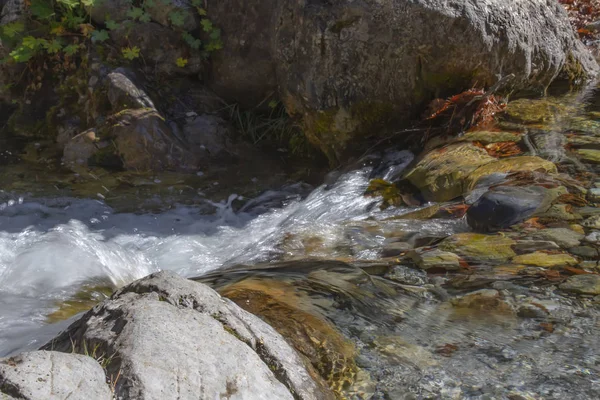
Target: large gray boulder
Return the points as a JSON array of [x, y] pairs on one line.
[[51, 375], [350, 68], [170, 337]]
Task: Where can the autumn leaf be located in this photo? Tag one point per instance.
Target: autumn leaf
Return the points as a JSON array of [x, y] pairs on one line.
[[86, 29]]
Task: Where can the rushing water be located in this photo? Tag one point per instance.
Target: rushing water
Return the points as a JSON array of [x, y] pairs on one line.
[[49, 248]]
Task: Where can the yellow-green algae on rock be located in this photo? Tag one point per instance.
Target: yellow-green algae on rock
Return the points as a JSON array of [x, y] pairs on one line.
[[541, 259], [476, 246], [440, 174], [506, 165]]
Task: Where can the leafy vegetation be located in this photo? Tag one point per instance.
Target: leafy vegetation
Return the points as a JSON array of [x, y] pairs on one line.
[[64, 28]]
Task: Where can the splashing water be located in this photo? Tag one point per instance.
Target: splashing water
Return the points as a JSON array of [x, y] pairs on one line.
[[49, 248]]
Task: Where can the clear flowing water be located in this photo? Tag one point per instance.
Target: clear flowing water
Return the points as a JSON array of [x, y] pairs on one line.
[[49, 248]]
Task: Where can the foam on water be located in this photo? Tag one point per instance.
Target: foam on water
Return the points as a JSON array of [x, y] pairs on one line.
[[50, 247]]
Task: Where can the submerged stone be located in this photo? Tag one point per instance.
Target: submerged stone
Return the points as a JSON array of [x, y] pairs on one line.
[[541, 259], [435, 259], [564, 237], [486, 300], [582, 284], [513, 164], [591, 156], [505, 206], [281, 305], [479, 247]]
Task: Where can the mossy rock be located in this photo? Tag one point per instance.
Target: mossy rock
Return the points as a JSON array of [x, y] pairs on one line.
[[441, 174], [591, 156], [388, 191], [329, 354], [541, 259], [479, 247], [507, 165], [82, 301]]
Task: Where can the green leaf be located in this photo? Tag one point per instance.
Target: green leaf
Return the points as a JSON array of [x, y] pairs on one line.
[[149, 3], [111, 25], [131, 53], [215, 34], [22, 54], [99, 36], [197, 3], [88, 3], [41, 9], [53, 46], [31, 42], [192, 41], [13, 29], [177, 18], [145, 18], [70, 4], [181, 62], [71, 49], [201, 11], [135, 13], [207, 25]]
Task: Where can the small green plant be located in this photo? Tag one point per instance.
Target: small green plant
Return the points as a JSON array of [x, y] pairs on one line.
[[131, 53]]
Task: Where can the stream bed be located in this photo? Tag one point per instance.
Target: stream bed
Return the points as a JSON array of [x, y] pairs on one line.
[[337, 265]]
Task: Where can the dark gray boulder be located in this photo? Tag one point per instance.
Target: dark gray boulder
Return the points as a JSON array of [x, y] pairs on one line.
[[51, 375], [505, 206], [171, 337], [349, 68]]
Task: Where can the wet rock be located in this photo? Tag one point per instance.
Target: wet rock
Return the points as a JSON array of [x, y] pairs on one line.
[[592, 222], [582, 284], [530, 246], [440, 174], [478, 247], [427, 259], [51, 375], [505, 206], [532, 311], [81, 148], [215, 139], [541, 259], [138, 140], [407, 275], [282, 306], [398, 351], [513, 164], [560, 212], [591, 156], [593, 195], [564, 237], [191, 327], [585, 252], [593, 237], [488, 300], [395, 249], [123, 93]]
